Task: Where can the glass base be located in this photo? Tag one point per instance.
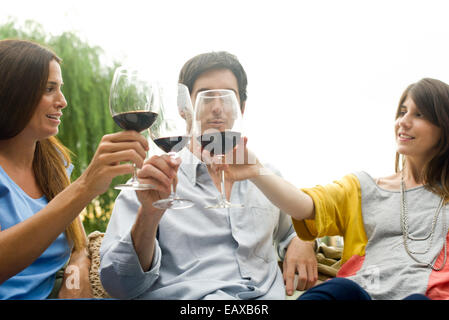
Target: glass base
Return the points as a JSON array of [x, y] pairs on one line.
[[171, 203], [224, 204], [134, 186]]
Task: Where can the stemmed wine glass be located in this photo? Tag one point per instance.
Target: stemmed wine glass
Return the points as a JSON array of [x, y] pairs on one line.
[[132, 105], [172, 134], [218, 128]]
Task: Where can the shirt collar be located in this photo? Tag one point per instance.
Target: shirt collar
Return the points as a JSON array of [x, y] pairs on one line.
[[190, 164]]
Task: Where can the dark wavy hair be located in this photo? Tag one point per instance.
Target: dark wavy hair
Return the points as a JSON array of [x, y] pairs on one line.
[[204, 62], [24, 71], [431, 97]]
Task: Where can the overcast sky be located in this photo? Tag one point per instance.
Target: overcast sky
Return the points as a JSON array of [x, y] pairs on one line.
[[324, 77]]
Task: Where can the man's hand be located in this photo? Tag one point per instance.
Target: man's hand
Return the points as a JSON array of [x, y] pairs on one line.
[[300, 259], [161, 172]]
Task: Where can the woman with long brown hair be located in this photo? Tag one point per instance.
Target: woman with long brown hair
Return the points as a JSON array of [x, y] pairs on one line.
[[40, 229], [395, 228]]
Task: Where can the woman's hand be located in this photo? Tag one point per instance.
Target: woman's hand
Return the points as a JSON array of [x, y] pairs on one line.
[[76, 283], [124, 146], [240, 164]]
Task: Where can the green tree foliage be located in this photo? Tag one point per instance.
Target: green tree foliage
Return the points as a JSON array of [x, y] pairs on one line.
[[87, 118]]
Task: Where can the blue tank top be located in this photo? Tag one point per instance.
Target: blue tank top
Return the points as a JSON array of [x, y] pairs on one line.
[[37, 280]]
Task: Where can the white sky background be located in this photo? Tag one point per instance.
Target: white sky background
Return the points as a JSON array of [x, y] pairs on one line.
[[324, 77]]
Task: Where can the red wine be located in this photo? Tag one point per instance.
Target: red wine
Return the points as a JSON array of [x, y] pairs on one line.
[[135, 120], [219, 142], [172, 144]]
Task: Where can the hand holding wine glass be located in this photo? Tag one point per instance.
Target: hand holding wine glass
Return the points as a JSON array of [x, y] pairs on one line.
[[241, 164], [172, 134], [218, 129], [132, 105]]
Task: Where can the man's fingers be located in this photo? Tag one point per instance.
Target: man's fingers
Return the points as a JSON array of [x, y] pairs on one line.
[[302, 277], [289, 278], [155, 177], [312, 278], [166, 164]]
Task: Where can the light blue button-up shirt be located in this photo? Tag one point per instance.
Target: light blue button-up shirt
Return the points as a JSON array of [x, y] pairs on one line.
[[200, 253]]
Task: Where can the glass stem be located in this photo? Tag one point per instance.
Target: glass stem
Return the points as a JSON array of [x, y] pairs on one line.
[[172, 194], [223, 191], [134, 178]]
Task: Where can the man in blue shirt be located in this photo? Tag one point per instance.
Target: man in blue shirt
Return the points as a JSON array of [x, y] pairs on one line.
[[199, 253]]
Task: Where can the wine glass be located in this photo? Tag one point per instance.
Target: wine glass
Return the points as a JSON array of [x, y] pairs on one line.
[[172, 134], [132, 105], [218, 128]]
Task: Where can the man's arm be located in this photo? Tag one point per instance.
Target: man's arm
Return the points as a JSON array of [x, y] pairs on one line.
[[143, 234], [121, 273], [130, 254], [161, 173]]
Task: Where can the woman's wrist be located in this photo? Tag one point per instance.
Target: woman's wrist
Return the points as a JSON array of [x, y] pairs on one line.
[[258, 171], [80, 258], [82, 190]]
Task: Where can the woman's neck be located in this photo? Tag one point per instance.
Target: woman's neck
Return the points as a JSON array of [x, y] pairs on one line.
[[413, 173]]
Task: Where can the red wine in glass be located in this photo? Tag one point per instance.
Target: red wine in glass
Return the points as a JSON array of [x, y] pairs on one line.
[[135, 120], [172, 144], [218, 137], [219, 142], [132, 105], [173, 134]]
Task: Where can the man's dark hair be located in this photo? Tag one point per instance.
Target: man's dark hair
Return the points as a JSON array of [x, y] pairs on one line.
[[204, 62]]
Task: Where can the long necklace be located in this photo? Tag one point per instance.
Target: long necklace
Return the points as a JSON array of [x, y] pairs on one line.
[[406, 236]]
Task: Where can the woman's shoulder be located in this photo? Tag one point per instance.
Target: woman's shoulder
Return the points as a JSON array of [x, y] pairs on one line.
[[3, 176], [391, 182]]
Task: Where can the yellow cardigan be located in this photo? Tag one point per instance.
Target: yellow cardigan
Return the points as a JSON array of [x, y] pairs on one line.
[[338, 211]]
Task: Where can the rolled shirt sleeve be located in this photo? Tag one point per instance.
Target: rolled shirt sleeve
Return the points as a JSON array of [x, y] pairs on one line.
[[283, 235]]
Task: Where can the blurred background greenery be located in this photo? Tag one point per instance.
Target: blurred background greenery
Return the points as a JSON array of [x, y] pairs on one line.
[[87, 118]]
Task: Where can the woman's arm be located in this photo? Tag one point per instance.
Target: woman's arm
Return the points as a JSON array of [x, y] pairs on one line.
[[284, 195], [23, 243], [279, 191], [76, 283]]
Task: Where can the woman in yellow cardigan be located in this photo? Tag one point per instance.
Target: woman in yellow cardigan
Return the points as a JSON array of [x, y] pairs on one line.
[[395, 227]]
